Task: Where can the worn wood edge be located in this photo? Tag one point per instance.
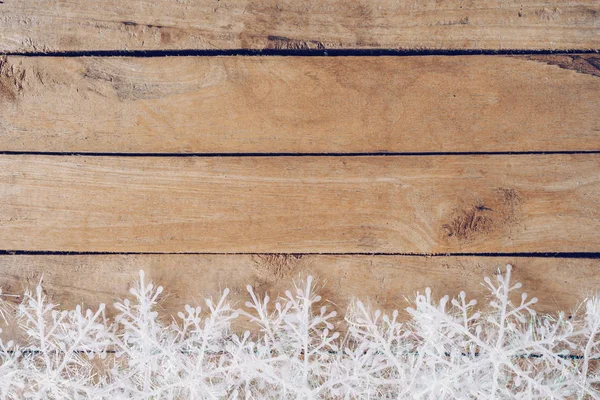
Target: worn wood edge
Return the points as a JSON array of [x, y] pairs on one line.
[[311, 24], [300, 105]]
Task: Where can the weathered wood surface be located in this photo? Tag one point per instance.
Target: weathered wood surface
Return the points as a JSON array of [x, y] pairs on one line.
[[388, 282], [39, 26], [397, 204], [300, 104]]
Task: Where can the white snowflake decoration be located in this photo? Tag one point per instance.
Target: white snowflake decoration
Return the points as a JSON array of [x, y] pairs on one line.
[[447, 349]]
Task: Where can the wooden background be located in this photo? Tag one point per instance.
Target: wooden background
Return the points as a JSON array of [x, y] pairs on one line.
[[382, 146]]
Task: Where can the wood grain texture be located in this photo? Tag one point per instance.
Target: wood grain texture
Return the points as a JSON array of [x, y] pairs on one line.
[[508, 203], [388, 282], [300, 104], [34, 25]]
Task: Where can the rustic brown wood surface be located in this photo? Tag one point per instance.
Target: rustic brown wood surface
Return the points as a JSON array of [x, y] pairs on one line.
[[391, 204], [425, 204], [38, 26], [388, 282], [300, 104]]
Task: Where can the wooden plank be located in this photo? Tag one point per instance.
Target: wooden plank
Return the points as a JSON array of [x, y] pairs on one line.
[[383, 281], [300, 104], [397, 204], [33, 25]]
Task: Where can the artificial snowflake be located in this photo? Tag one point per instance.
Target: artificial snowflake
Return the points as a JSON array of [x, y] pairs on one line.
[[438, 349]]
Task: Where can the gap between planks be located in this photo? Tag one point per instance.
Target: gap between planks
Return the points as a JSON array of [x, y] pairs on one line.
[[424, 154], [299, 53], [585, 255]]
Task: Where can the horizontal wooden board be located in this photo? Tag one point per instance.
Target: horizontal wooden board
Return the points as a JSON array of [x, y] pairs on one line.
[[300, 104], [388, 282], [34, 26], [391, 204]]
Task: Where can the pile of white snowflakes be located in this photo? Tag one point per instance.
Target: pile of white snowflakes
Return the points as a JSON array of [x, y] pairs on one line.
[[447, 349]]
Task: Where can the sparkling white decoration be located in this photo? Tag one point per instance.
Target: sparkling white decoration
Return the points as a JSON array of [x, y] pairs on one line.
[[447, 349]]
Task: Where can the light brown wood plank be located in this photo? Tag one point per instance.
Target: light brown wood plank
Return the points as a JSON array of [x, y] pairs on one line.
[[383, 281], [33, 25], [300, 104], [398, 204]]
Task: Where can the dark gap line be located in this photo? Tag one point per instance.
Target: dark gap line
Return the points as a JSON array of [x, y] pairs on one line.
[[294, 52], [286, 154], [586, 255], [29, 352]]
